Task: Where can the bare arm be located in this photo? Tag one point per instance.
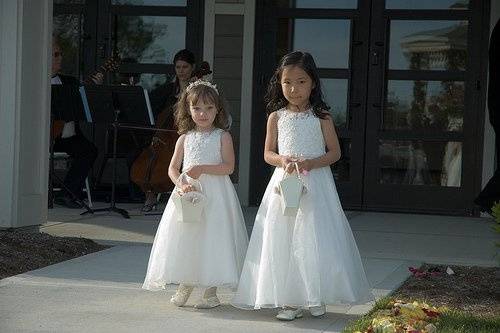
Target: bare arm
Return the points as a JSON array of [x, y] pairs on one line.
[[332, 146], [270, 147], [176, 161], [221, 169]]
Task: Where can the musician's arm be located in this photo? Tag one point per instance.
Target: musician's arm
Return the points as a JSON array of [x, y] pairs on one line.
[[97, 78]]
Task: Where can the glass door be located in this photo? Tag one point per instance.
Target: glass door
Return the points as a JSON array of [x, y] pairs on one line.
[[422, 111], [336, 34], [145, 34], [404, 80], [73, 23]]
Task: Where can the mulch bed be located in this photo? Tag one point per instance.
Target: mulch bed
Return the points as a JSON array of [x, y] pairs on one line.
[[22, 251], [475, 290]]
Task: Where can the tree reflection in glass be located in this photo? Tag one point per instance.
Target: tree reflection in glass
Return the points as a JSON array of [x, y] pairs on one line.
[[425, 106], [67, 28], [150, 39]]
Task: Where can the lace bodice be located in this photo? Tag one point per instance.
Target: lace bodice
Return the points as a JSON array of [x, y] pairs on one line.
[[202, 148], [299, 134]]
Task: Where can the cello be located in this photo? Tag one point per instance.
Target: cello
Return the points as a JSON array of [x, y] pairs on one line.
[[150, 169]]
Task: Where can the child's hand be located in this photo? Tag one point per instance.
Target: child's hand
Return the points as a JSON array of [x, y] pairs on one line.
[[304, 165], [290, 168], [287, 163], [195, 171], [185, 188]]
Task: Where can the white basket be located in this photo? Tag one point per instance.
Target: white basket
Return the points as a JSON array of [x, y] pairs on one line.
[[189, 206], [291, 188]]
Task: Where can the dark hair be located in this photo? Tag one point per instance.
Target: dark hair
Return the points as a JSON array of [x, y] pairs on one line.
[[56, 40], [183, 120], [184, 55], [275, 99]]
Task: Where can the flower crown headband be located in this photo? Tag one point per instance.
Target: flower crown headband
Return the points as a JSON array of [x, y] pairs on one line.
[[204, 83]]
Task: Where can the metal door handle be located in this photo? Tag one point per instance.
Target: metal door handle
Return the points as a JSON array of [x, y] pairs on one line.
[[101, 50], [374, 57]]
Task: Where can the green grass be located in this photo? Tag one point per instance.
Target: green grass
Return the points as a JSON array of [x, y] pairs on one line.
[[362, 323], [449, 322], [460, 322]]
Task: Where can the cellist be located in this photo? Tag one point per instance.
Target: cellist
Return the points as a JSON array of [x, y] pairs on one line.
[[163, 100]]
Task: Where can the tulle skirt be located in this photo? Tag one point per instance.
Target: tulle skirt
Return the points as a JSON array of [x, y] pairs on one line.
[[307, 260], [208, 253]]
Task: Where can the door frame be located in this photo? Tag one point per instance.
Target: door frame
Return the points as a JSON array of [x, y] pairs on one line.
[[351, 191], [98, 31], [475, 99], [428, 198]]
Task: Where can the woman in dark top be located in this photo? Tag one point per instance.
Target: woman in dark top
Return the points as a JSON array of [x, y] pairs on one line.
[[165, 96], [163, 100]]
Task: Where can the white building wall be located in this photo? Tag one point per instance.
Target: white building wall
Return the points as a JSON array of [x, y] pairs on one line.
[[25, 53], [228, 45]]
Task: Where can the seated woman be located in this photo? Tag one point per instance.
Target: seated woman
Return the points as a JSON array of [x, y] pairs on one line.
[[163, 100]]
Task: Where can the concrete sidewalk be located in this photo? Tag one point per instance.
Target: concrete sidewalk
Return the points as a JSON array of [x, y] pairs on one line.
[[101, 292]]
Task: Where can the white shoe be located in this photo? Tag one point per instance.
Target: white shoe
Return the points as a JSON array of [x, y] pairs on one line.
[[317, 311], [208, 303], [181, 295], [290, 314]]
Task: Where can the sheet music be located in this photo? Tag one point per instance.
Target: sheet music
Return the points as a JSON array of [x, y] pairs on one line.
[[85, 104]]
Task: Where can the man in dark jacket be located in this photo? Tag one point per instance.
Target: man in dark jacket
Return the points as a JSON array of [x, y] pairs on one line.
[[491, 192], [71, 141]]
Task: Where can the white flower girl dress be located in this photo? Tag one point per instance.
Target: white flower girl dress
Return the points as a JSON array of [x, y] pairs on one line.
[[208, 253], [310, 259]]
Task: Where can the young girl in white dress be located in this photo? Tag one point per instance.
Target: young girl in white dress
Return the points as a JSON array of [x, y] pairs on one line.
[[311, 259], [208, 253]]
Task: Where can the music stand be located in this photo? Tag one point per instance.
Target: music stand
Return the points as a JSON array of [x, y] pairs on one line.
[[122, 107], [66, 105]]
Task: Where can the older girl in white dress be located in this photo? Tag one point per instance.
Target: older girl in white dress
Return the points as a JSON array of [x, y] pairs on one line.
[[310, 259]]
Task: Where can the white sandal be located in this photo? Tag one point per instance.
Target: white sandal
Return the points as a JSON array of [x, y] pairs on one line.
[[290, 314], [317, 311], [208, 303], [181, 295]]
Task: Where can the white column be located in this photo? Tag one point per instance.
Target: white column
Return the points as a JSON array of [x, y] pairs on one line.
[[25, 60]]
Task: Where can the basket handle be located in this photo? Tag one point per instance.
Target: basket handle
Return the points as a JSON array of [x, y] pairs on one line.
[[304, 188], [296, 169], [196, 181]]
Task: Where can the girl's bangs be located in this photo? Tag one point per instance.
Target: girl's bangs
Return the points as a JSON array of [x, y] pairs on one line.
[[205, 94]]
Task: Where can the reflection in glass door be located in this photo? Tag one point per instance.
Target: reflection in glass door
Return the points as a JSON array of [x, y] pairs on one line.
[[145, 33], [422, 118], [403, 79], [70, 21]]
